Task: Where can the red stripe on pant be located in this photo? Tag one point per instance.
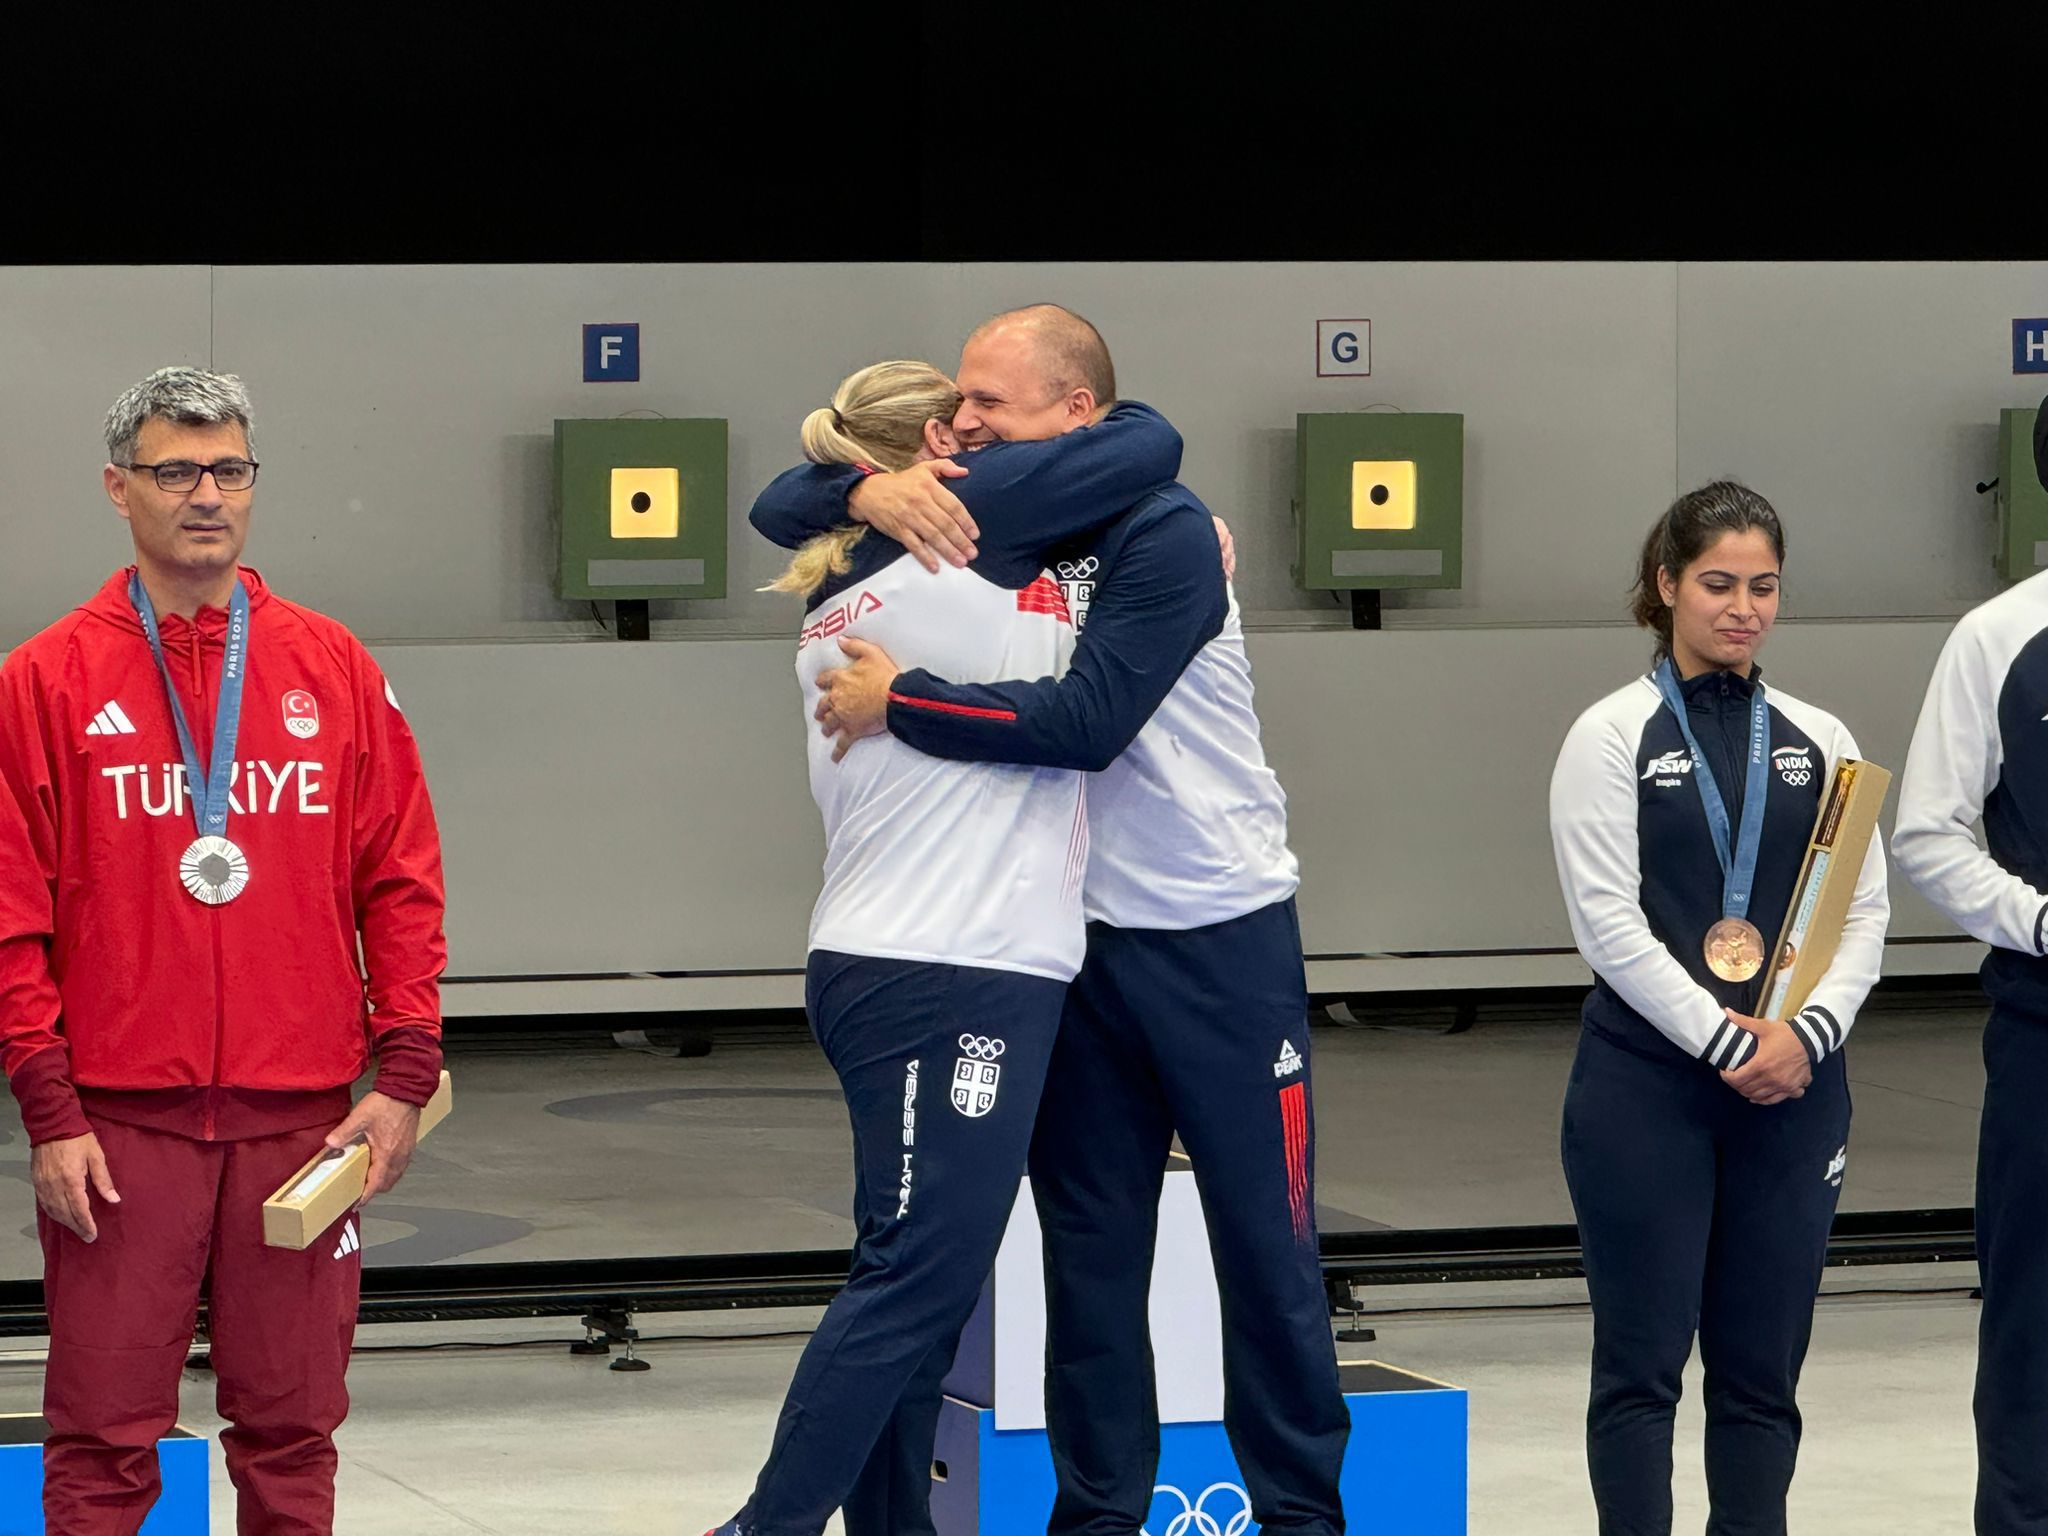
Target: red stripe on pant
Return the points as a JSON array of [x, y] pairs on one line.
[[1294, 1125], [122, 1311]]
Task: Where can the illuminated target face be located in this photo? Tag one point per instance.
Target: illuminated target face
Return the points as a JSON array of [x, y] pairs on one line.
[[646, 503], [1383, 493]]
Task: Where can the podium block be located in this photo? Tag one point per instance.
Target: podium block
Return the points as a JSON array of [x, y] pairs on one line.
[[181, 1510], [1404, 1469], [1000, 1364]]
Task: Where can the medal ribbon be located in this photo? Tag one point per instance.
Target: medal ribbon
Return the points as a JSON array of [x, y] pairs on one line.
[[1738, 863], [209, 789]]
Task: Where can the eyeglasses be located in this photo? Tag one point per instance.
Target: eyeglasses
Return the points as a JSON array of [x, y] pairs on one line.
[[183, 474]]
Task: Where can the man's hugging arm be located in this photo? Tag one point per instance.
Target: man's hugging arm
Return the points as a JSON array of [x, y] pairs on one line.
[[1006, 504], [1160, 602]]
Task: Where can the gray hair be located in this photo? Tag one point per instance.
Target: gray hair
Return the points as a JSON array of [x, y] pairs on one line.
[[191, 397]]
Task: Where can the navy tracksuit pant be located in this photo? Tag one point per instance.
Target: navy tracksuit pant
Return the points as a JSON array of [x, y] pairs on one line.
[[942, 1066], [1203, 1033], [2012, 1260], [1698, 1212]]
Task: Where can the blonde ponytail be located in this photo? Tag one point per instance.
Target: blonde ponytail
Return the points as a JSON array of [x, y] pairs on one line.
[[876, 419], [817, 560]]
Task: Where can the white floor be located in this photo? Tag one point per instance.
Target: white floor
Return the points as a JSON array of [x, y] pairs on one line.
[[532, 1442]]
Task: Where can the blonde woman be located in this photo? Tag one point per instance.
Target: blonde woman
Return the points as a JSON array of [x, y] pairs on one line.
[[948, 927]]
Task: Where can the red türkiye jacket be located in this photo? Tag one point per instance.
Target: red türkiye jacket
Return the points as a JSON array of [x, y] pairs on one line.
[[120, 993]]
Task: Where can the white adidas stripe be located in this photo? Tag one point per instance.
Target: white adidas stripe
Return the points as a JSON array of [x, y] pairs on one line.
[[1816, 1044], [121, 721]]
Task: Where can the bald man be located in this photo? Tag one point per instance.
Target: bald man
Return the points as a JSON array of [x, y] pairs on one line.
[[1189, 1016]]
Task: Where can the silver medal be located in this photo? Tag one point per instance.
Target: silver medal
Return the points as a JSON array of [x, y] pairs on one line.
[[214, 871]]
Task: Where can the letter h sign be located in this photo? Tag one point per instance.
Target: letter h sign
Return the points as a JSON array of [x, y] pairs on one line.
[[2030, 346]]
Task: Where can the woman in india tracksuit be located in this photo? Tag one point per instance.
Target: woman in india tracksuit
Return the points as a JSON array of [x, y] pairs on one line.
[[947, 929], [1703, 1146]]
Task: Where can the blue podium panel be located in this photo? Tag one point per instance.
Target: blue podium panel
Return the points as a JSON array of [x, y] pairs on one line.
[[1404, 1470], [181, 1510]]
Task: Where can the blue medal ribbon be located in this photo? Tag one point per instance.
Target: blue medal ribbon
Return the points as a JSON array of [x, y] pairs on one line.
[[209, 788], [1738, 862]]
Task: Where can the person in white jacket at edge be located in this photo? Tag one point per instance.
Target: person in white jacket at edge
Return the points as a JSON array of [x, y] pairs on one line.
[[1980, 751]]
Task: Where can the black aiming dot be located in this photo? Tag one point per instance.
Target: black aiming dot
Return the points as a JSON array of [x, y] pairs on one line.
[[1379, 495], [641, 501]]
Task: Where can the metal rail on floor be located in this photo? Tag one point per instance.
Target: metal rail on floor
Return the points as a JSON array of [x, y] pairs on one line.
[[719, 1282], [1553, 1253]]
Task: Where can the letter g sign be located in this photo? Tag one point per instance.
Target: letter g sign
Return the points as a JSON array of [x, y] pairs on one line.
[[1343, 349]]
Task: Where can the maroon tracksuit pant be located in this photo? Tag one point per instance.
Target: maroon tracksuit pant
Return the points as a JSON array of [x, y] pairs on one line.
[[122, 1312]]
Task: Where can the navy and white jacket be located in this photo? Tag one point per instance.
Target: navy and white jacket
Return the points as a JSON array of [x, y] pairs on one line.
[[1642, 881], [1188, 825], [1981, 750], [951, 862]]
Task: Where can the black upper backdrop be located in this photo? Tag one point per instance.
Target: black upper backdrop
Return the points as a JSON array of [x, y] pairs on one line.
[[934, 134]]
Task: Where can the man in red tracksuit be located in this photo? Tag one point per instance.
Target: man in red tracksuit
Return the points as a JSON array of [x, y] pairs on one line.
[[210, 805]]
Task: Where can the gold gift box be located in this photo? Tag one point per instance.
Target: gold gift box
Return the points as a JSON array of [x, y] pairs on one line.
[[322, 1192], [1827, 885]]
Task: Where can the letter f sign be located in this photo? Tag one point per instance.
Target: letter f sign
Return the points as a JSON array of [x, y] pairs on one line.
[[611, 354]]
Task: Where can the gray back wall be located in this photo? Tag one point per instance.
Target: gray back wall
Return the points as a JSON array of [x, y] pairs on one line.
[[404, 419]]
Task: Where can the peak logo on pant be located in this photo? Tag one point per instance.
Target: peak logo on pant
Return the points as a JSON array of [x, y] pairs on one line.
[[976, 1076], [1289, 1062]]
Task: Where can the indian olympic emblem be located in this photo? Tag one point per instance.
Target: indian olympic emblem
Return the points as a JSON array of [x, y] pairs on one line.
[[1199, 1516], [1794, 765], [976, 1074], [301, 714]]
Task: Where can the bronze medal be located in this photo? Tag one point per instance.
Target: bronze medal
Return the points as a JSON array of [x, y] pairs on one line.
[[1734, 949]]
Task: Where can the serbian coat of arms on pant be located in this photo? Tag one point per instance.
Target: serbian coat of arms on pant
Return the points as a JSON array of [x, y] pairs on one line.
[[976, 1075]]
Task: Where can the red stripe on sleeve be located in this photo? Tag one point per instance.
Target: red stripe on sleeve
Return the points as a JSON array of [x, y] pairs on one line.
[[952, 709]]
